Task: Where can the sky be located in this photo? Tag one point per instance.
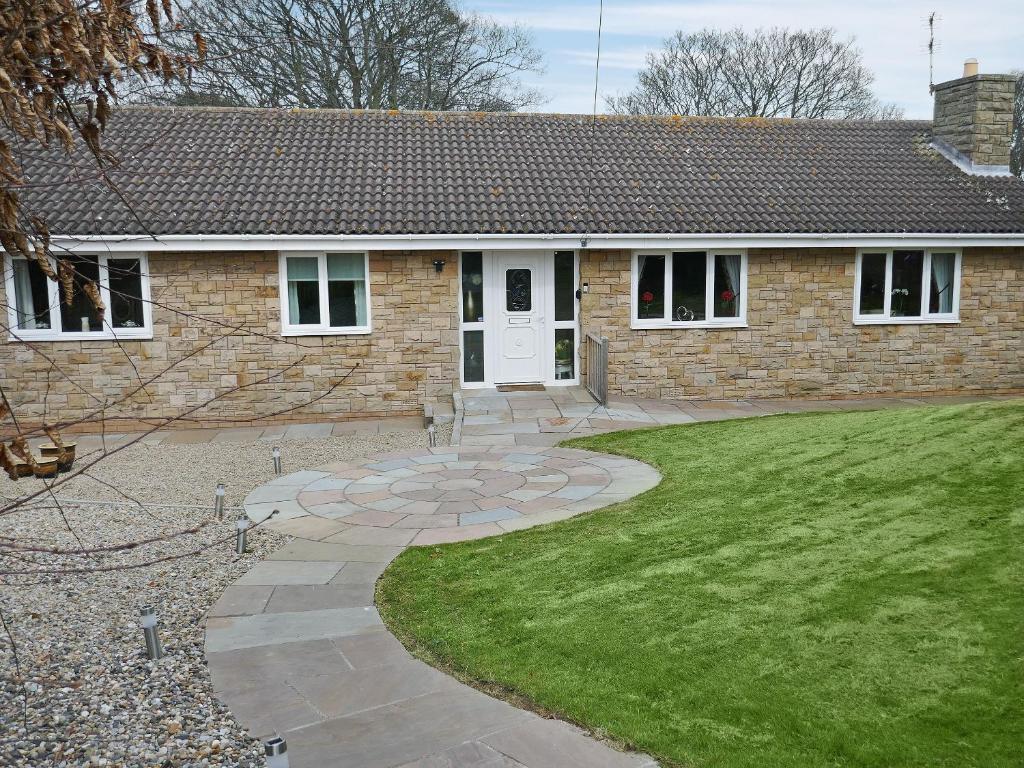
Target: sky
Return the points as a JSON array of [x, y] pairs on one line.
[[893, 35]]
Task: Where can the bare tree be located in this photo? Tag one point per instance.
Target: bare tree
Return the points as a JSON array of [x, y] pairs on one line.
[[356, 54], [54, 55], [767, 73], [1017, 148]]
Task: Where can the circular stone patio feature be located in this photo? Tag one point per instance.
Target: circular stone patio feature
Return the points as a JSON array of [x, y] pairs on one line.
[[459, 485], [449, 486], [450, 494], [347, 521]]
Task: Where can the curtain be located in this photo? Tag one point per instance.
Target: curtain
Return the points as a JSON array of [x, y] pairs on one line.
[[732, 269], [293, 302], [24, 304], [360, 295], [301, 269], [942, 278], [346, 266], [350, 267], [640, 264], [651, 279]]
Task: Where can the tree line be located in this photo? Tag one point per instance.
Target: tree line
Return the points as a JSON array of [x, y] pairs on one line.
[[766, 73], [429, 54]]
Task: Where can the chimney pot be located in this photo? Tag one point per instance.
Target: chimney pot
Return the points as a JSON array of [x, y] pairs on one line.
[[970, 67]]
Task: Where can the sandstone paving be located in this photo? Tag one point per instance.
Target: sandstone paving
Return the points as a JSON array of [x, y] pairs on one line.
[[273, 573], [296, 647]]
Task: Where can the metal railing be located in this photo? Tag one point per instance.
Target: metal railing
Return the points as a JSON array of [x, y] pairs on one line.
[[596, 375]]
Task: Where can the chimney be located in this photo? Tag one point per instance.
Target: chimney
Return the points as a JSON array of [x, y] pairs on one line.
[[973, 124]]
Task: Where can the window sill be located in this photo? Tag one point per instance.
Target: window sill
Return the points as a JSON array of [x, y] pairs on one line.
[[327, 332], [643, 326], [29, 336], [906, 321]]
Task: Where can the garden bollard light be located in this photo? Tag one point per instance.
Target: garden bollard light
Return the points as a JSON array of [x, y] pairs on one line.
[[241, 538], [276, 751], [276, 453], [431, 436], [153, 648], [218, 502]]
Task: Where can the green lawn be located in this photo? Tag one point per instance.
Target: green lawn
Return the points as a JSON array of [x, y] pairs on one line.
[[811, 590]]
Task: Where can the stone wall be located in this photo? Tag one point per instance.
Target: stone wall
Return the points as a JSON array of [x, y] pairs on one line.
[[974, 115], [801, 341], [409, 359]]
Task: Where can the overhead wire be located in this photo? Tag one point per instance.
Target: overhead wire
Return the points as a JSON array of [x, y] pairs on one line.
[[590, 222]]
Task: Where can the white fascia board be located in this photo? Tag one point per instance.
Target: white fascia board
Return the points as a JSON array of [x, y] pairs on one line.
[[191, 243]]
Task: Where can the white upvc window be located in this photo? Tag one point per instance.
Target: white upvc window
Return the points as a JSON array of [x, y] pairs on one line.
[[325, 293], [689, 289], [907, 286], [474, 271], [37, 309]]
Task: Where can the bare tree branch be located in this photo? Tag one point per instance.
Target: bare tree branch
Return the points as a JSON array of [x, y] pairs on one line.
[[359, 54], [1017, 148]]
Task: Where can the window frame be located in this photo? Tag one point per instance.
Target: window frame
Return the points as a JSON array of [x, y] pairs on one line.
[[925, 318], [322, 328], [55, 332], [483, 326], [738, 321], [572, 324]]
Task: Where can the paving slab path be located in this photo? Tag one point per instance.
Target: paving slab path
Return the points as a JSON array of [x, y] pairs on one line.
[[296, 647], [489, 417]]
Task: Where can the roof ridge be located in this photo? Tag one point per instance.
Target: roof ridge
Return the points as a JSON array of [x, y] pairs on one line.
[[482, 115]]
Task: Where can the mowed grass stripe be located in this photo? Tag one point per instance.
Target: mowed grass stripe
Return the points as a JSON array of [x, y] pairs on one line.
[[804, 590]]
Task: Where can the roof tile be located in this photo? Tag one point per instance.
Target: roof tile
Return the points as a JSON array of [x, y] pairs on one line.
[[253, 171]]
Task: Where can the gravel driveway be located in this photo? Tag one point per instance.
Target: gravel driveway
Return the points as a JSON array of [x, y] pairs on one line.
[[82, 692]]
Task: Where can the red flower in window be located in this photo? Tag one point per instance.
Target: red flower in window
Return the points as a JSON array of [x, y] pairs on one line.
[[647, 297], [728, 295]]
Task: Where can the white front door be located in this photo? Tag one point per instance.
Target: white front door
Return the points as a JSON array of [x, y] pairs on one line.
[[521, 298]]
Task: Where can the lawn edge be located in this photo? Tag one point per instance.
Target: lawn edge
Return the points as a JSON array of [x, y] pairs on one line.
[[495, 689], [503, 692], [595, 443], [512, 695]]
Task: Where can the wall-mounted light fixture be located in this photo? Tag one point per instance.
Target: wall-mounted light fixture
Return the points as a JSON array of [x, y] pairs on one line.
[[439, 265]]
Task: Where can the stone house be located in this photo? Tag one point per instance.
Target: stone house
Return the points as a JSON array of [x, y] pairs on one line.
[[351, 264]]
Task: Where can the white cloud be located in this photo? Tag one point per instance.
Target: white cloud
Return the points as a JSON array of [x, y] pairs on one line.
[[629, 59]]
